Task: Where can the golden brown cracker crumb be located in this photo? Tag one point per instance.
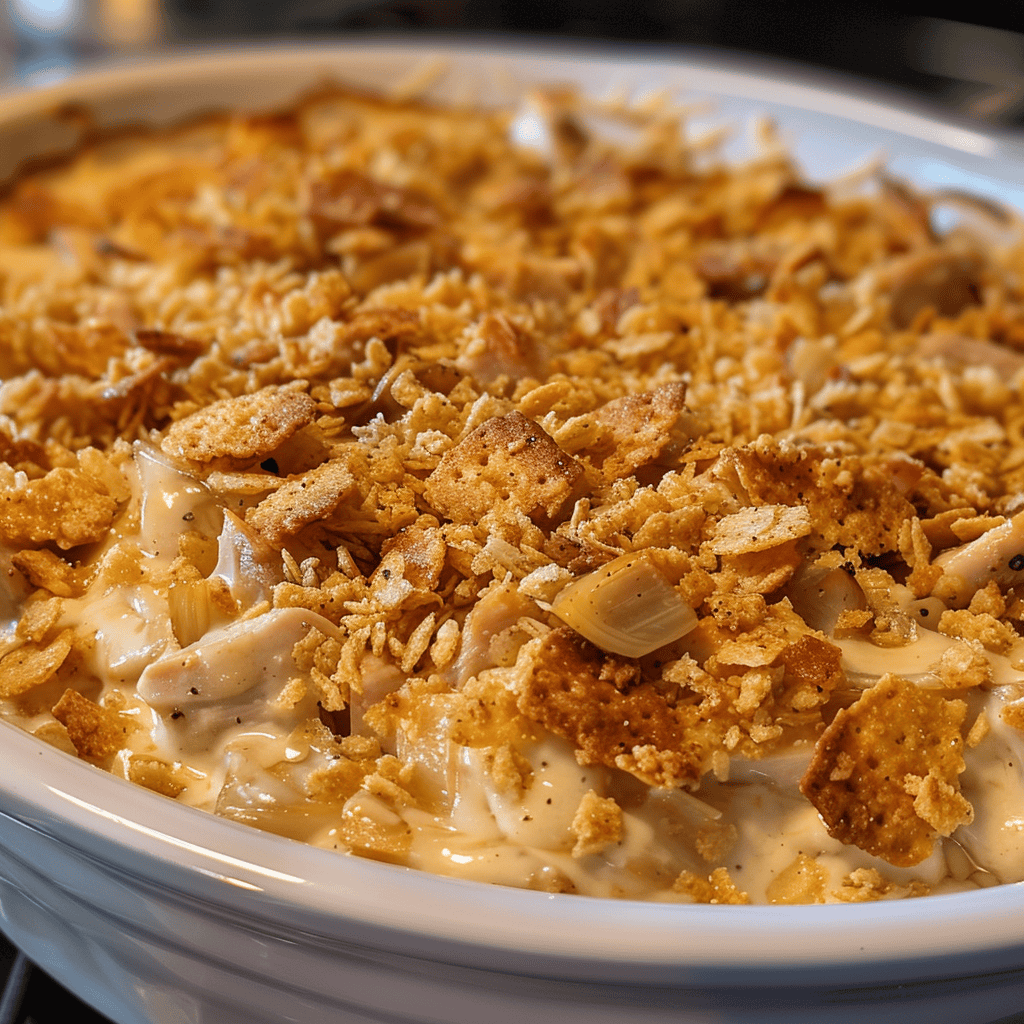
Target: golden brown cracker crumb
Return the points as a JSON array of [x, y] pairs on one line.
[[445, 644], [44, 569], [981, 627], [300, 501], [509, 461], [423, 550], [597, 702], [718, 887], [508, 769], [238, 431], [738, 612], [964, 666], [844, 767], [760, 528], [989, 600], [40, 618], [715, 841], [968, 528], [865, 885], [853, 622], [978, 731], [294, 691], [339, 779], [895, 729], [850, 504], [65, 507], [917, 552], [596, 824], [758, 572], [1012, 714], [636, 429], [938, 803], [33, 664], [97, 732], [893, 624], [813, 670], [166, 778]]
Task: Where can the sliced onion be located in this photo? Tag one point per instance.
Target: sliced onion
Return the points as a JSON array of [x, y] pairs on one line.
[[626, 607]]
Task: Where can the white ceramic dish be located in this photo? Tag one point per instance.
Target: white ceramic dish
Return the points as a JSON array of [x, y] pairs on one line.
[[154, 912]]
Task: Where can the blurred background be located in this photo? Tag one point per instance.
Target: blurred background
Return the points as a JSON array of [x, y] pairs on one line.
[[973, 65]]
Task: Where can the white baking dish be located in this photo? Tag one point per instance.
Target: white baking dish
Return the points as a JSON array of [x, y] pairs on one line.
[[155, 912]]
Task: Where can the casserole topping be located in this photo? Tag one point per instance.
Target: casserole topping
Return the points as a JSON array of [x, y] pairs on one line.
[[585, 516]]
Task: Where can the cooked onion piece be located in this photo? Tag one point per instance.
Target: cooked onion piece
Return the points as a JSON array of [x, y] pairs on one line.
[[626, 607]]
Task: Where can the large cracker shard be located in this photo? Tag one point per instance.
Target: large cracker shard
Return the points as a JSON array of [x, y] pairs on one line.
[[66, 507], [236, 432], [302, 500], [884, 775], [598, 703], [509, 462], [638, 429]]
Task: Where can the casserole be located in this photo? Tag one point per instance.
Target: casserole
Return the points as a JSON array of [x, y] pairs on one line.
[[176, 915]]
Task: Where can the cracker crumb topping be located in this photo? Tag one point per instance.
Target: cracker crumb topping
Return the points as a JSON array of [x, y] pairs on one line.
[[372, 393]]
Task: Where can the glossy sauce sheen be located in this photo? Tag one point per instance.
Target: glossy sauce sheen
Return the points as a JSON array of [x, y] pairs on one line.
[[213, 708]]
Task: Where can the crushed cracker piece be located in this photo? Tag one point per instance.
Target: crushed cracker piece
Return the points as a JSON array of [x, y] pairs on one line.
[[235, 432], [637, 429], [894, 730], [802, 881], [507, 462], [718, 887], [596, 824], [97, 732], [302, 500], [65, 507], [33, 664], [49, 571]]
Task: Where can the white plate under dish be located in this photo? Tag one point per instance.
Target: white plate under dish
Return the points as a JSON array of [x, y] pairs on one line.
[[159, 914]]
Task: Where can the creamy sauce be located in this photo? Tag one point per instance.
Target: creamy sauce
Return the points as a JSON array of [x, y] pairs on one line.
[[229, 709]]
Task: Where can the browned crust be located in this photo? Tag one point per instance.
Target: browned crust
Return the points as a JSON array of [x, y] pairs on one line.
[[238, 431], [508, 462], [874, 761]]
